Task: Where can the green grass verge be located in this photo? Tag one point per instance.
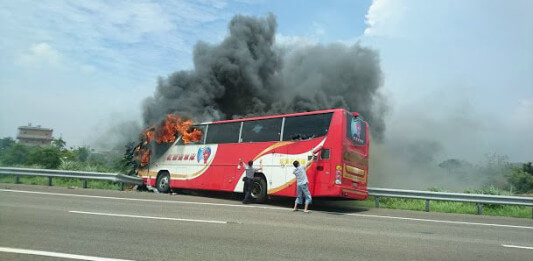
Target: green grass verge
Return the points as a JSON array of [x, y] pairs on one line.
[[62, 182], [447, 207]]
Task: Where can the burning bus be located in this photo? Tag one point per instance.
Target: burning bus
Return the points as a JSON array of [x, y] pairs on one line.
[[332, 144]]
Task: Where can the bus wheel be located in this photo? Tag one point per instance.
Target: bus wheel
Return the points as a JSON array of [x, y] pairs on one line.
[[259, 190], [163, 182]]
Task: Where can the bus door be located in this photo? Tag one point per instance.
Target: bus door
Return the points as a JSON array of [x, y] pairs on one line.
[[280, 181]]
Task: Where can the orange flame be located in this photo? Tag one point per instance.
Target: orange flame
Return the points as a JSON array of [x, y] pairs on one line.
[[144, 157], [166, 132], [174, 126]]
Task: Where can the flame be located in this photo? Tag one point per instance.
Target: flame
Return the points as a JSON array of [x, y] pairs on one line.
[[144, 157], [166, 132], [149, 135], [174, 126]]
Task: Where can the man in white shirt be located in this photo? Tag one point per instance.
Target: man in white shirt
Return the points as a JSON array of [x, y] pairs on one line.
[[248, 178], [302, 186]]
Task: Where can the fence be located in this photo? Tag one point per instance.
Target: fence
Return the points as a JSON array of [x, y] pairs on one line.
[[377, 193], [479, 199], [84, 175]]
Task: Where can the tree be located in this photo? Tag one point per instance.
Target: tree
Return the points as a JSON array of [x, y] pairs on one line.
[[82, 153], [48, 157], [6, 143], [521, 178], [16, 154], [527, 168], [59, 143]]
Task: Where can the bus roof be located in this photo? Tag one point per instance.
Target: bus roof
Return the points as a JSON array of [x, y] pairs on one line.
[[281, 115]]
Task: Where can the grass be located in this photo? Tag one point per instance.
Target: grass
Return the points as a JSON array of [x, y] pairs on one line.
[[448, 207], [61, 182]]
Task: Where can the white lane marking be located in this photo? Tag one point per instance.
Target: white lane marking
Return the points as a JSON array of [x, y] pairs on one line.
[[437, 221], [142, 200], [264, 207], [521, 247], [149, 217], [55, 254]]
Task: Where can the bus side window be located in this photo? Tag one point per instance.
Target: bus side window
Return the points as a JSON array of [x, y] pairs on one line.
[[261, 130], [223, 133], [306, 127], [200, 141]]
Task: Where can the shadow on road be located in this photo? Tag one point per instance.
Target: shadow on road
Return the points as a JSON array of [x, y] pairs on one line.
[[334, 206]]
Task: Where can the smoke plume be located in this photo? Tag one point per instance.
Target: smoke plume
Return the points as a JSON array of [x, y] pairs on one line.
[[248, 74]]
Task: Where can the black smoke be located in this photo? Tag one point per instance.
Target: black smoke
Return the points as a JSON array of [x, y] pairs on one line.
[[248, 74]]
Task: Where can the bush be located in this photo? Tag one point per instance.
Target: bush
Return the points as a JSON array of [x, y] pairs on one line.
[[521, 179], [487, 190], [15, 154], [49, 157]]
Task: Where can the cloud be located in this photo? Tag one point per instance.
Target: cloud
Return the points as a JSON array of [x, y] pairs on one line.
[[382, 17], [39, 55], [288, 41], [94, 57]]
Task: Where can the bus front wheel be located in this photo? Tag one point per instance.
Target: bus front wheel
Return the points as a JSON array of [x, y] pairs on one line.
[[163, 182], [259, 189]]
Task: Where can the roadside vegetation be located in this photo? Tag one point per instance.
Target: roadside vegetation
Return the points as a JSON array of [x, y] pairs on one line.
[[502, 177], [447, 207], [58, 156]]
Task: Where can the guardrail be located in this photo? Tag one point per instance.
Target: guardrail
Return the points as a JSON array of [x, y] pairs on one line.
[[479, 199], [84, 175], [377, 193]]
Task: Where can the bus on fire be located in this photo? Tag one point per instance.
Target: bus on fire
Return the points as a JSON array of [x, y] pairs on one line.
[[332, 144]]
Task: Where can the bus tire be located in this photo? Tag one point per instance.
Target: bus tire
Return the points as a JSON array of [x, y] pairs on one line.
[[163, 182], [259, 190]]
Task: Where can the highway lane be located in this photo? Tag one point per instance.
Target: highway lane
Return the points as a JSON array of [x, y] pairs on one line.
[[148, 226]]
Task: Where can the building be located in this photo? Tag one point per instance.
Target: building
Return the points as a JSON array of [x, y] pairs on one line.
[[37, 136]]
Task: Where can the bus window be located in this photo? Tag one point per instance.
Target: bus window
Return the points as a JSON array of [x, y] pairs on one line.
[[261, 130], [306, 127], [201, 141], [223, 133], [355, 129]]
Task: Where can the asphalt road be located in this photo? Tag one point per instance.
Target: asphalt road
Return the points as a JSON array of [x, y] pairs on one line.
[[149, 226]]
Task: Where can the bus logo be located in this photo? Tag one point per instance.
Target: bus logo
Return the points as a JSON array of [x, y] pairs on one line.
[[203, 154]]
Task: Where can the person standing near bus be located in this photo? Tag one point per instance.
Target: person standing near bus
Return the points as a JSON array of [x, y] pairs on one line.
[[249, 178], [302, 187]]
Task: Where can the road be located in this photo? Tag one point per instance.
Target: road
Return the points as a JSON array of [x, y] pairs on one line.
[[148, 226]]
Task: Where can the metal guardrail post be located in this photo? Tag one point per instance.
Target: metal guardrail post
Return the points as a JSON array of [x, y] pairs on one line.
[[17, 180], [84, 183], [122, 186], [479, 208], [376, 198], [427, 205], [49, 181]]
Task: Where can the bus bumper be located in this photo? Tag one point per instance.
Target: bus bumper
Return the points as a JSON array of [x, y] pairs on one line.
[[354, 193]]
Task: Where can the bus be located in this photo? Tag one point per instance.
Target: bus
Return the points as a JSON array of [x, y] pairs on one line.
[[333, 145]]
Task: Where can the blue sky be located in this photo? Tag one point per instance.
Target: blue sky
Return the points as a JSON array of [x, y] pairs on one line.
[[456, 71]]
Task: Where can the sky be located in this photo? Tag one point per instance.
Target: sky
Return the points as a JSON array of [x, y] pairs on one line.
[[458, 73]]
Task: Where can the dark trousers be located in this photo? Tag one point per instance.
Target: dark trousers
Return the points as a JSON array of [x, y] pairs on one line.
[[247, 189]]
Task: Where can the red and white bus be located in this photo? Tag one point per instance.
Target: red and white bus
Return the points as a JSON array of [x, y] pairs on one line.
[[332, 144]]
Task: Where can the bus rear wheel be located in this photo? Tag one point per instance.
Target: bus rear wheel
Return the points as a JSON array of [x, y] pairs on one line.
[[163, 182], [259, 190]]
